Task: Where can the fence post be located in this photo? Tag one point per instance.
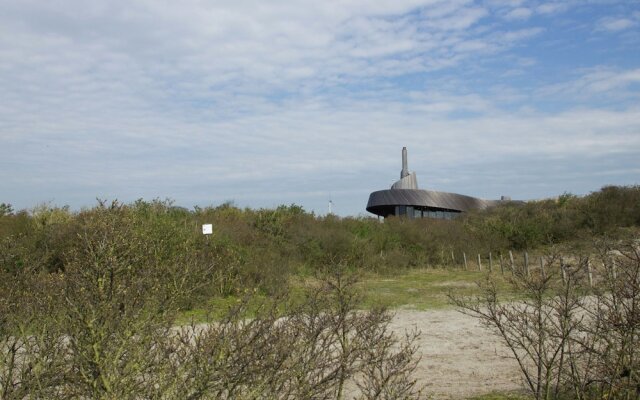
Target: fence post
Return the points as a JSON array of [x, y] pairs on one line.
[[526, 263], [479, 263], [511, 260], [453, 258], [542, 268], [589, 272], [613, 268], [564, 270], [501, 264], [490, 263], [464, 257]]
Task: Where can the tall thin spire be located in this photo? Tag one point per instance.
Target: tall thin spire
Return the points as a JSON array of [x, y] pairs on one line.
[[405, 167], [407, 179]]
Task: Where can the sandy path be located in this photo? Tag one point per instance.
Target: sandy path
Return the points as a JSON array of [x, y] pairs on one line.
[[460, 358]]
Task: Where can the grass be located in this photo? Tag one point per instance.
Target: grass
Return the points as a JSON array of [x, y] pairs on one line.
[[214, 309], [421, 289], [218, 307]]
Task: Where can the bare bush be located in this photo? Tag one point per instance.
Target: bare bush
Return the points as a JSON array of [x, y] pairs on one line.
[[571, 340], [320, 349], [611, 338]]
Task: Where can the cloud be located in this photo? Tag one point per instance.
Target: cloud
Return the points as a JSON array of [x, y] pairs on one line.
[[195, 45], [506, 3], [552, 7], [612, 24], [597, 83], [210, 101], [520, 13], [319, 146], [521, 34], [132, 60]]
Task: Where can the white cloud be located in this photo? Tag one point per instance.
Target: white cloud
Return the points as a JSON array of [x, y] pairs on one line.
[[552, 8], [506, 3], [520, 13], [462, 18], [196, 45], [615, 24], [596, 83], [150, 98], [126, 56], [521, 34]]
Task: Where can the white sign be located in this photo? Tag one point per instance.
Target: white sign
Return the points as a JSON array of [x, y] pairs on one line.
[[207, 229]]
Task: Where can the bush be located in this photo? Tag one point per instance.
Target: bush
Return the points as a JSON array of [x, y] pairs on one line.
[[110, 336], [572, 340]]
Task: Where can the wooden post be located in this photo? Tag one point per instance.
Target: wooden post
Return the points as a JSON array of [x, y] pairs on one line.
[[611, 270], [614, 271], [501, 264], [490, 262], [464, 257], [526, 263], [511, 261], [589, 273], [479, 263], [564, 270], [542, 268], [453, 258]]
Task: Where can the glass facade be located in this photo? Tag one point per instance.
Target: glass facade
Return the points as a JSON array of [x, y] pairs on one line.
[[417, 212]]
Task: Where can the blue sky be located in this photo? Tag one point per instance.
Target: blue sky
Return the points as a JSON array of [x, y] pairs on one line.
[[277, 102]]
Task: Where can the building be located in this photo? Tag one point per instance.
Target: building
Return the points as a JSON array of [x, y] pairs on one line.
[[405, 199]]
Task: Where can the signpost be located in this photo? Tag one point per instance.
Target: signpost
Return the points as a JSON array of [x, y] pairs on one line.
[[207, 229]]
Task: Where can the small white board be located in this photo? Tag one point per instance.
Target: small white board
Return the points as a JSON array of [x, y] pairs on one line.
[[207, 229]]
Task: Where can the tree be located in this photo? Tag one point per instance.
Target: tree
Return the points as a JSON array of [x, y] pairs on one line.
[[5, 209]]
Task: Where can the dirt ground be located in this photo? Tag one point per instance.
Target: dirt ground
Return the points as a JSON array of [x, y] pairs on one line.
[[460, 358]]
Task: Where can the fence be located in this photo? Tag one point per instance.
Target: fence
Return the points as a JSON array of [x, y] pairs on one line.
[[543, 265]]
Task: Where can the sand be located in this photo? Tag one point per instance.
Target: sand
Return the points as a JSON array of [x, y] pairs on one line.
[[460, 358]]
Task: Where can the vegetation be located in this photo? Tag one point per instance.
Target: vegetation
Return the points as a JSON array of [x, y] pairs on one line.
[[91, 301], [573, 335], [94, 318], [257, 248]]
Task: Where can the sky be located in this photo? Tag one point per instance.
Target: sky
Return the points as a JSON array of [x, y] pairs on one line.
[[275, 102]]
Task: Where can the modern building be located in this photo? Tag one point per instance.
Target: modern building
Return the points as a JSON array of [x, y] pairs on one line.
[[405, 199]]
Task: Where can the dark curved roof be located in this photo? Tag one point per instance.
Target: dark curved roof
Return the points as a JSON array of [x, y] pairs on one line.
[[405, 192], [383, 202]]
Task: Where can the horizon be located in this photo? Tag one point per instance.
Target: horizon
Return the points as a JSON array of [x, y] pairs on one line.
[[300, 102], [231, 203]]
